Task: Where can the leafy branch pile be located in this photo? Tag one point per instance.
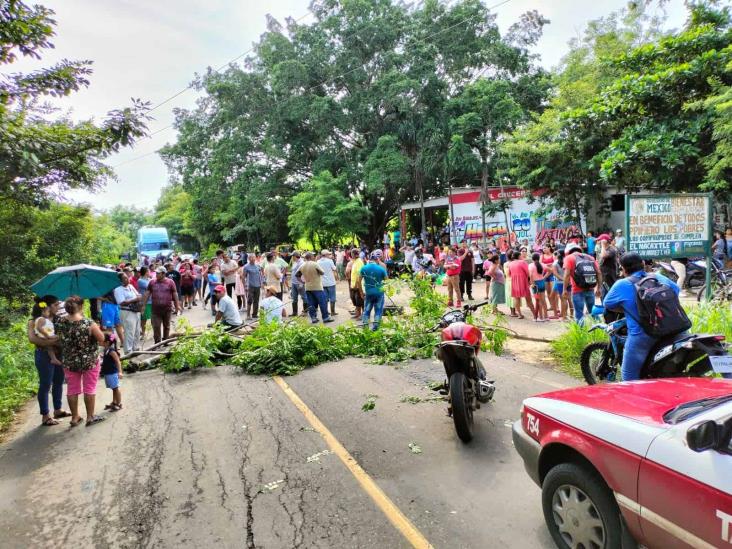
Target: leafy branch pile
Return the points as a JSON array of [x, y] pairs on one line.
[[289, 348]]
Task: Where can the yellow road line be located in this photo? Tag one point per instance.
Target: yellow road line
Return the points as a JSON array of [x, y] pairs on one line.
[[382, 501]]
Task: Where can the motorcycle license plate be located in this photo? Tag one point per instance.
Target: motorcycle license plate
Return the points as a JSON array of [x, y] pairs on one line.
[[663, 352], [721, 364]]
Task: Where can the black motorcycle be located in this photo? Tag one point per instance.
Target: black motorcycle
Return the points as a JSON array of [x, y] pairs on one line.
[[680, 355], [466, 384]]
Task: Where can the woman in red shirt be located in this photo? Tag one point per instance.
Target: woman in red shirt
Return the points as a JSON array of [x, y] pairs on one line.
[[518, 270]]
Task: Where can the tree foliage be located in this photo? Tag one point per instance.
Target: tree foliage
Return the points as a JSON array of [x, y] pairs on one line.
[[635, 109], [365, 92], [324, 213], [41, 156]]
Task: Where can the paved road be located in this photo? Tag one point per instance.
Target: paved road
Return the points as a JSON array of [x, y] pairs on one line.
[[221, 459]]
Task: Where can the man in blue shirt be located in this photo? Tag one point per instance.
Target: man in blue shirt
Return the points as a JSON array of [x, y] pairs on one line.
[[621, 297], [373, 276], [591, 240]]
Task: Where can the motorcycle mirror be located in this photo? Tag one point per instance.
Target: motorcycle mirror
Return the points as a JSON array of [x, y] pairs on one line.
[[704, 436]]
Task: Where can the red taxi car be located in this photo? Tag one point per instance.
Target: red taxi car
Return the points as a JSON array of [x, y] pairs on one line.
[[645, 462]]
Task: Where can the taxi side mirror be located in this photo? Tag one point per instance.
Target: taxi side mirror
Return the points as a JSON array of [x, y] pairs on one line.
[[704, 436]]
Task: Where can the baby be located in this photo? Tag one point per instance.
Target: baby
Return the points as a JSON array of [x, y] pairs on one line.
[[43, 328]]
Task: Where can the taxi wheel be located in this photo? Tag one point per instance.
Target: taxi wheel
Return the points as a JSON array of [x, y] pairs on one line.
[[579, 509]]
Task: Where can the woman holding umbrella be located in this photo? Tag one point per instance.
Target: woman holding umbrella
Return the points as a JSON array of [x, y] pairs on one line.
[[50, 376]]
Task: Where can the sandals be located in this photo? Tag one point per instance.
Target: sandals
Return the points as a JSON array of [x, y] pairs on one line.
[[113, 407], [48, 422], [60, 414], [94, 420], [75, 423]]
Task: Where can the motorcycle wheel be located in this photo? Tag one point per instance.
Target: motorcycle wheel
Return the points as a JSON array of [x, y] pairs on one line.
[[594, 360], [462, 413]]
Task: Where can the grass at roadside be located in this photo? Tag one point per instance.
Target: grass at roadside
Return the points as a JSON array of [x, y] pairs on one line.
[[568, 347], [18, 377]]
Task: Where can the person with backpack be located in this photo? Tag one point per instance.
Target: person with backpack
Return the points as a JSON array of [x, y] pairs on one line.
[[652, 310], [582, 273]]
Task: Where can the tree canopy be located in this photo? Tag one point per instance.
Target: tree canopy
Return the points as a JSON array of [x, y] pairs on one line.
[[369, 93], [635, 109]]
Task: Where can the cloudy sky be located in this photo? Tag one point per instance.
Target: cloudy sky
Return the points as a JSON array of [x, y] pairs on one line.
[[150, 49]]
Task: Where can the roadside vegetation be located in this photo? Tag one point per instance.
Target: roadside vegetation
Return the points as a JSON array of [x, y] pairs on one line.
[[18, 378], [709, 318]]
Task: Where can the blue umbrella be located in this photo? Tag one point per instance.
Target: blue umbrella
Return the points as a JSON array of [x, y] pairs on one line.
[[86, 281]]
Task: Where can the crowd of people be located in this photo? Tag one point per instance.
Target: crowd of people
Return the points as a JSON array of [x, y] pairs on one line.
[[540, 277], [553, 280]]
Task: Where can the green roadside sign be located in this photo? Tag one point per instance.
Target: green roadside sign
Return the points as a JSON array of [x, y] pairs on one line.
[[669, 225]]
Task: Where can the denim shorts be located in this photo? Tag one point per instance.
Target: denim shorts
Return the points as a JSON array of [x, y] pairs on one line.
[[111, 380], [330, 293], [559, 288], [538, 287]]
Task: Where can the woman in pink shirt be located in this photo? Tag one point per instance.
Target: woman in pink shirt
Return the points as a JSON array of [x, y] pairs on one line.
[[518, 270]]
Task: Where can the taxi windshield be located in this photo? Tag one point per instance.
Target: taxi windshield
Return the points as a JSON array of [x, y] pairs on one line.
[[690, 409]]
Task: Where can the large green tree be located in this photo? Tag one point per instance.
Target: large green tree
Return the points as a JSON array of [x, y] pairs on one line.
[[364, 92], [635, 109]]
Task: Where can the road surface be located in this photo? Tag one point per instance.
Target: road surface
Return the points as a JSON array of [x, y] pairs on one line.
[[223, 459]]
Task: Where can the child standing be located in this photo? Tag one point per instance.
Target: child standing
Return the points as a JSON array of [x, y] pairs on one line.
[[112, 371], [43, 328]]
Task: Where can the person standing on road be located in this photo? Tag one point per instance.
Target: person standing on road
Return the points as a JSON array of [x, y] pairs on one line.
[[273, 274], [173, 275], [128, 300], [452, 274], [228, 271], [240, 289], [467, 266], [518, 270], [198, 282], [312, 275], [80, 339], [253, 283], [297, 287], [373, 276], [146, 314], [585, 285], [354, 279], [50, 376], [494, 273], [340, 262], [330, 276], [164, 296]]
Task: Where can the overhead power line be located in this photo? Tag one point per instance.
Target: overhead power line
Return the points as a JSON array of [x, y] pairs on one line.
[[421, 40]]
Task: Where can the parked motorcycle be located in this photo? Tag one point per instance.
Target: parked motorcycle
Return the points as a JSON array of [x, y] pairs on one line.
[[696, 272], [466, 384], [681, 355]]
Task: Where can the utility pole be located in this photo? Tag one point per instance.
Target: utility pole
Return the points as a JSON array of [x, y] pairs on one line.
[[453, 230]]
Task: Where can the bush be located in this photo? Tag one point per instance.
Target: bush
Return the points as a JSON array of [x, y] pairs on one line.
[[712, 318], [568, 347], [18, 376]]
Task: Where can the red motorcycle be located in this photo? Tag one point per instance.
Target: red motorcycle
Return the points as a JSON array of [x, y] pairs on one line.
[[466, 384]]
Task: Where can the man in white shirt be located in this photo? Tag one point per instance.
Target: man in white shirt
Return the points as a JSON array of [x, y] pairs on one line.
[[228, 312], [408, 255], [330, 275], [129, 313], [228, 271], [297, 288], [272, 308]]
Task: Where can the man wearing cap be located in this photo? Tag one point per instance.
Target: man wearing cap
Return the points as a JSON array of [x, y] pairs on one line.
[[608, 260], [228, 312], [581, 297], [273, 310], [330, 275], [164, 296], [312, 275], [297, 288], [373, 275]]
